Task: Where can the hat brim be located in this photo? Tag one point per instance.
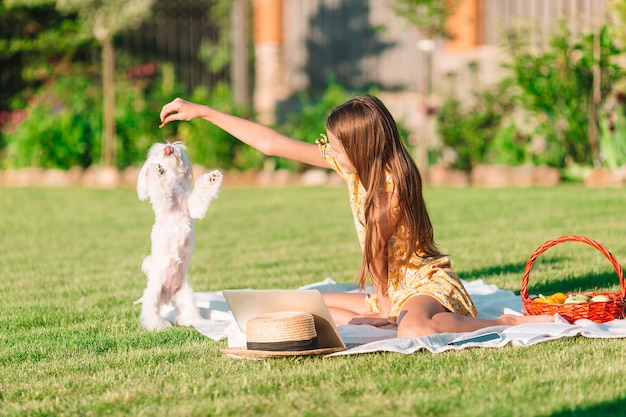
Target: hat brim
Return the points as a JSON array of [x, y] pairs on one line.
[[242, 352]]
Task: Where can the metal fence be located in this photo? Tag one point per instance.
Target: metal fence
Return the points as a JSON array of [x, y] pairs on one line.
[[175, 33], [542, 15], [356, 42]]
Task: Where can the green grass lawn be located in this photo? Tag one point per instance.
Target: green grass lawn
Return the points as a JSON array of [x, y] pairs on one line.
[[70, 341]]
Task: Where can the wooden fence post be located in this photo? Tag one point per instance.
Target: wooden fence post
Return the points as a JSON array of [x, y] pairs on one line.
[[268, 39]]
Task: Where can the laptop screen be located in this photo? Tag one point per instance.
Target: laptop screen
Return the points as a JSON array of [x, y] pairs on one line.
[[247, 304]]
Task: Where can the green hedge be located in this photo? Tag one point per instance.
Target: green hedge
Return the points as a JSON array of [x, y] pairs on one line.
[[64, 124]]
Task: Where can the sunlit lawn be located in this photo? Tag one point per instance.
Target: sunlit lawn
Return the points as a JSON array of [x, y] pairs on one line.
[[70, 342]]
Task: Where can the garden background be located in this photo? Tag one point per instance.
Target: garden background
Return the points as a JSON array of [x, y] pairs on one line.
[[490, 83]]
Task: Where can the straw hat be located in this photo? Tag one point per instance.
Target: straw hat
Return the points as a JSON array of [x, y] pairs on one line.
[[286, 333]]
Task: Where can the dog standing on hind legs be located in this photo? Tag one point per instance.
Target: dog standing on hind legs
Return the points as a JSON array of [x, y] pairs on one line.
[[165, 179]]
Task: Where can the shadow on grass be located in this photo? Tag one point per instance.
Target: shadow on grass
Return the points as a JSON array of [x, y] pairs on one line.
[[496, 270], [580, 282], [609, 408], [539, 284], [589, 282]]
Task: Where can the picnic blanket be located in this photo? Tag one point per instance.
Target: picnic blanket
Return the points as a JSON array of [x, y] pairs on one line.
[[490, 301]]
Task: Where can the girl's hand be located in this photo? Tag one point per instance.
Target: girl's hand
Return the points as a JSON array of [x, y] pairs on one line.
[[180, 109], [373, 320]]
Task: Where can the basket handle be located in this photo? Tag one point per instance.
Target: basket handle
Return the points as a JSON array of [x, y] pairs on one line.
[[572, 238]]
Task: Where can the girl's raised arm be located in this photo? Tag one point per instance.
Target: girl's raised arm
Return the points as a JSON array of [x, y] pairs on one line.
[[262, 138]]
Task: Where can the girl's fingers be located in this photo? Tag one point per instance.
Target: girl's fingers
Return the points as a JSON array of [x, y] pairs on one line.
[[167, 112], [372, 321], [178, 109], [165, 119]]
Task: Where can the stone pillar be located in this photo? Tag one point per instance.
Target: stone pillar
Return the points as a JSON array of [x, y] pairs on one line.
[[268, 36], [463, 25], [240, 68]]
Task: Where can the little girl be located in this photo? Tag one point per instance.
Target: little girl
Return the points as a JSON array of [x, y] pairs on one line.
[[415, 287]]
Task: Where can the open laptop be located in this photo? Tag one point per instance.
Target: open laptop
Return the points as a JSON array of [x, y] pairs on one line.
[[247, 304]]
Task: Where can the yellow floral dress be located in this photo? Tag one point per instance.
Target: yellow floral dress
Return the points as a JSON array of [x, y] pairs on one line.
[[422, 275]]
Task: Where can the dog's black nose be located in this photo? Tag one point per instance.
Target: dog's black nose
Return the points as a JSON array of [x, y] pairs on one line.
[[168, 150]]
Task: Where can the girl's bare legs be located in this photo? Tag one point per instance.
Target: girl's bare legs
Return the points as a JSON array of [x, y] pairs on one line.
[[344, 307], [350, 308], [423, 315]]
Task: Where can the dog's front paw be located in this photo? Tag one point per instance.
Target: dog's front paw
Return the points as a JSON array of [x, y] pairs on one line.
[[209, 182], [159, 169], [214, 177], [205, 190]]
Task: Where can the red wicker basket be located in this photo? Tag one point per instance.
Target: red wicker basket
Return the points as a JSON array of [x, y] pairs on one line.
[[598, 312]]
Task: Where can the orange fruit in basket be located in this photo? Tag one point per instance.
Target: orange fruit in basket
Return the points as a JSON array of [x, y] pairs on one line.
[[559, 297], [556, 298]]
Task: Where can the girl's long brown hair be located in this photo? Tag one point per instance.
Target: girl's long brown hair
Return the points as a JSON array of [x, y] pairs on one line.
[[372, 142]]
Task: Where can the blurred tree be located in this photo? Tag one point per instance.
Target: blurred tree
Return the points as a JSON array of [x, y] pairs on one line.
[[563, 83], [95, 19], [34, 39], [429, 16], [104, 19], [617, 9]]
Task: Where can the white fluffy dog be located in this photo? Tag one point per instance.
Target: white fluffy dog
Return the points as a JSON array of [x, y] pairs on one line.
[[165, 179]]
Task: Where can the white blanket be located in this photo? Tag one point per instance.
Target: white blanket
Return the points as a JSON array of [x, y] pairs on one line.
[[490, 301]]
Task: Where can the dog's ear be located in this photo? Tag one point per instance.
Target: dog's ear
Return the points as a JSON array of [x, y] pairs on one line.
[[186, 161], [142, 183], [189, 172]]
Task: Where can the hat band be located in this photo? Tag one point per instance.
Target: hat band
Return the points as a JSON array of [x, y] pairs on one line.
[[290, 345]]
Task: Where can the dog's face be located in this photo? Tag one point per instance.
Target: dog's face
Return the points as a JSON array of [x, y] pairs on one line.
[[167, 163]]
